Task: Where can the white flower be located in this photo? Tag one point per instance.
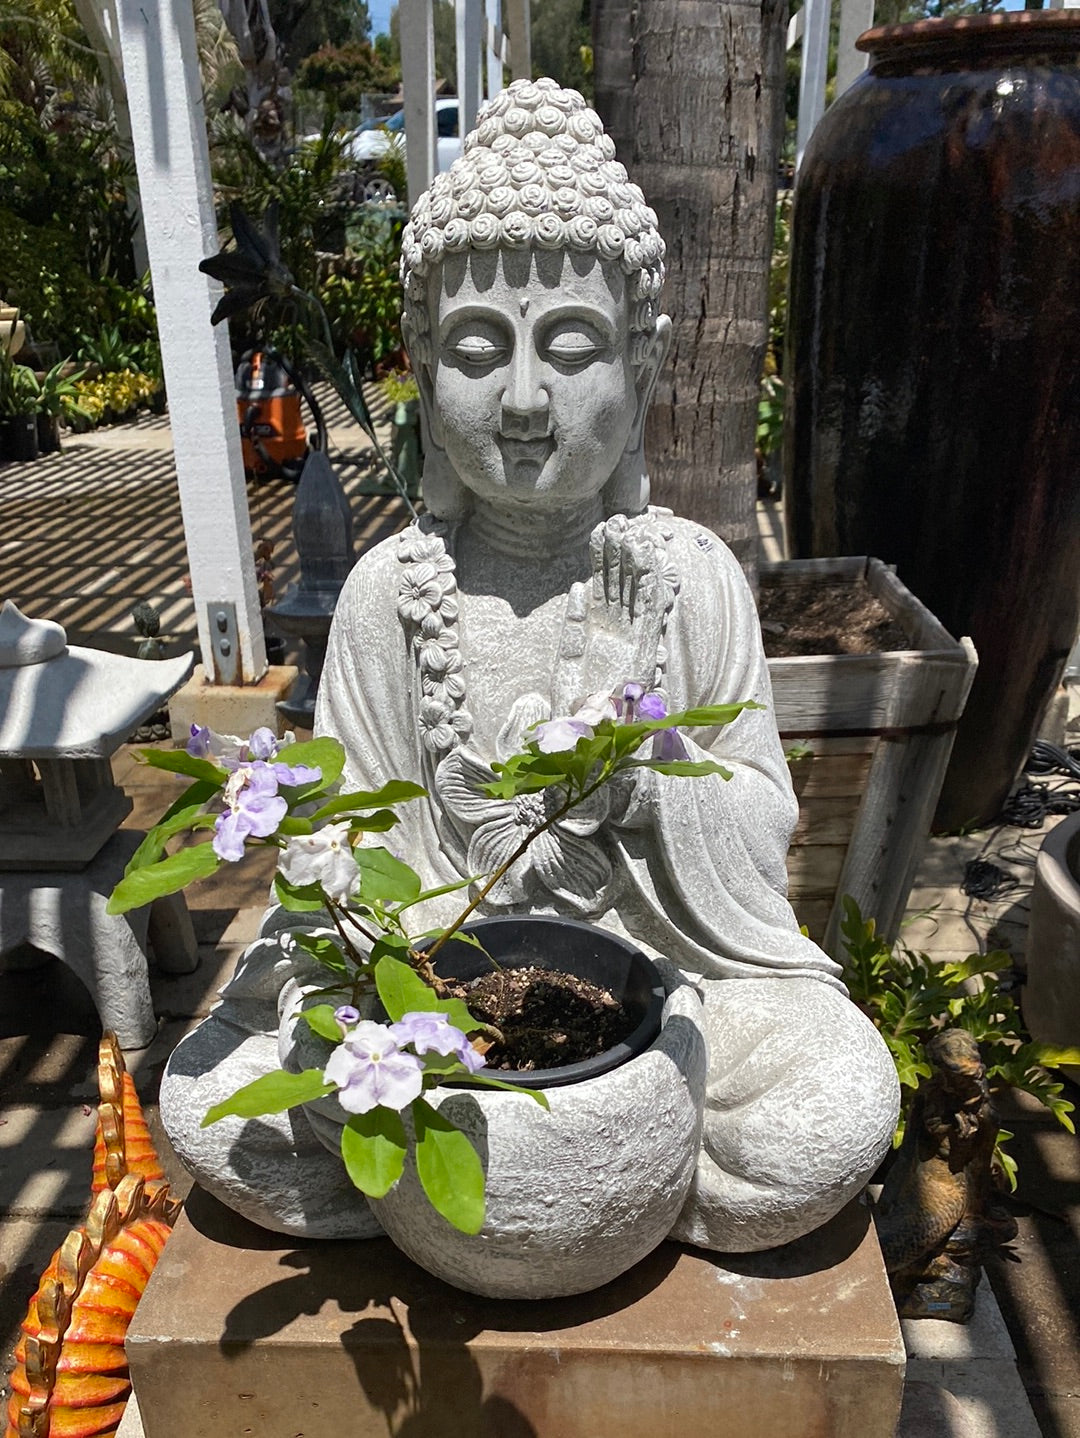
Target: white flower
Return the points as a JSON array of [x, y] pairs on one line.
[[596, 708], [325, 858]]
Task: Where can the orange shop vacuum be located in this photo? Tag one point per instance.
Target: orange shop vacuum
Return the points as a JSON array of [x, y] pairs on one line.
[[272, 432]]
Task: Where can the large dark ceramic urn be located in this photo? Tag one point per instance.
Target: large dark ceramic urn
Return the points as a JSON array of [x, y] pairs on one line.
[[934, 354]]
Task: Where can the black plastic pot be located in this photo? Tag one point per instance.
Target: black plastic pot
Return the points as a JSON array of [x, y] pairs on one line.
[[569, 947], [18, 437], [48, 434]]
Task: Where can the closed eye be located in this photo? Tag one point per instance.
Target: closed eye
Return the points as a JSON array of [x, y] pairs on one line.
[[478, 350]]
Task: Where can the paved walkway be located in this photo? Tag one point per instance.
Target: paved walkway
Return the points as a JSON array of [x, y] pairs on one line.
[[83, 536]]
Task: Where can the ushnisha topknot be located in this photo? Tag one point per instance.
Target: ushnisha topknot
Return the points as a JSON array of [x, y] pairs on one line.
[[538, 170]]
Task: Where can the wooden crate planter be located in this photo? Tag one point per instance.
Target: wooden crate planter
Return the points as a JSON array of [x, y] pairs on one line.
[[880, 729]]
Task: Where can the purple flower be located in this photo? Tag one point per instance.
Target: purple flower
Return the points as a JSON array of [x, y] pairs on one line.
[[263, 744], [347, 1017], [558, 735], [433, 1032], [369, 1069], [668, 746], [254, 809], [652, 706], [293, 775], [627, 704], [198, 746]]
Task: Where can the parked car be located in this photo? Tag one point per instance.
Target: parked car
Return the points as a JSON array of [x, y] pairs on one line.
[[371, 140]]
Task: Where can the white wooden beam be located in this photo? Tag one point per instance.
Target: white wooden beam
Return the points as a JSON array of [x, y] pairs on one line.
[[516, 22], [815, 63], [168, 130], [470, 47], [855, 17], [418, 92], [495, 45]]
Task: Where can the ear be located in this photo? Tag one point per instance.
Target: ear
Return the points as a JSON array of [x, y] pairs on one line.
[[627, 491], [647, 375], [444, 495]]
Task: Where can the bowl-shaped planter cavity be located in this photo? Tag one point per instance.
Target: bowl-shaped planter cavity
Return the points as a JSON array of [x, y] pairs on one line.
[[1051, 996], [577, 1194]]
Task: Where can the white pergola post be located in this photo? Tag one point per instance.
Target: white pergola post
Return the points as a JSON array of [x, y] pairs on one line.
[[495, 45], [855, 17], [418, 91], [516, 23], [815, 64], [470, 48], [168, 129]]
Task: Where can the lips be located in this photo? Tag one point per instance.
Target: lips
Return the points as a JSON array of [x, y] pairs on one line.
[[534, 451]]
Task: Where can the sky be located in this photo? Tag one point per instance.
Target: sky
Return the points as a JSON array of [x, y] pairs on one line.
[[379, 10]]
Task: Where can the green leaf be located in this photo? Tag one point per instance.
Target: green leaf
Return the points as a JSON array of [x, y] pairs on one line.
[[373, 1147], [487, 1081], [152, 847], [437, 893], [320, 1020], [1052, 1057], [293, 824], [324, 950], [376, 823], [179, 761], [326, 755], [298, 898], [449, 1169], [397, 791], [685, 768], [167, 876], [272, 1093], [385, 878], [401, 989], [710, 716]]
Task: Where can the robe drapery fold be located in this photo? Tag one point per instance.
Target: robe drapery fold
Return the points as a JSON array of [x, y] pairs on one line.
[[697, 865]]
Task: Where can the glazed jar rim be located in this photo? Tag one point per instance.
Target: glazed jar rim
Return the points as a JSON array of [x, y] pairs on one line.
[[1018, 30]]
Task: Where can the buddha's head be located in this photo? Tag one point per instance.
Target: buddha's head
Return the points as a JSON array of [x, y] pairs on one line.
[[532, 274]]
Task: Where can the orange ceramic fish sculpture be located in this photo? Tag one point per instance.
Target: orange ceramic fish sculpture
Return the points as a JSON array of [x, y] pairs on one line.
[[71, 1376]]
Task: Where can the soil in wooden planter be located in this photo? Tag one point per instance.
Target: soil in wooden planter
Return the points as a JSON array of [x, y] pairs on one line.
[[548, 1019], [829, 618]]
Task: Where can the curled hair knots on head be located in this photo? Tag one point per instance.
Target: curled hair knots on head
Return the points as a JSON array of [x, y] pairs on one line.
[[537, 170]]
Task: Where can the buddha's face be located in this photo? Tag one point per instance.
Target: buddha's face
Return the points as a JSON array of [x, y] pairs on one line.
[[531, 393]]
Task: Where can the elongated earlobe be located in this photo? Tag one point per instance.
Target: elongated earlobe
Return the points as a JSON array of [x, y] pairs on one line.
[[627, 491]]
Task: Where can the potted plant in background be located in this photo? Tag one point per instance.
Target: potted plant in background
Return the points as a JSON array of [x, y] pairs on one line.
[[439, 1164], [406, 451], [56, 397], [18, 422]]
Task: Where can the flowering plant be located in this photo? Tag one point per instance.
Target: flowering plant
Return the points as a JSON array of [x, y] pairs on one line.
[[287, 795]]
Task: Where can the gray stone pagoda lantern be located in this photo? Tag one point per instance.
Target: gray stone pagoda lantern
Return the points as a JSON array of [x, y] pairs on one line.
[[64, 712]]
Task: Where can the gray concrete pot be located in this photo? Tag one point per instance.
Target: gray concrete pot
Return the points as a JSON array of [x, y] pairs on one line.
[[577, 1194], [1051, 998]]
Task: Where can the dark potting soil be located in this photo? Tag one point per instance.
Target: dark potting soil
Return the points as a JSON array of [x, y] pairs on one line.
[[832, 618], [548, 1019]]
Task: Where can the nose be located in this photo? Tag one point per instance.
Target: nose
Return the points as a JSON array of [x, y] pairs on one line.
[[525, 402]]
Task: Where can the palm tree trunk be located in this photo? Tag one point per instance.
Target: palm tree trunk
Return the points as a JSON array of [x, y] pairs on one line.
[[691, 91]]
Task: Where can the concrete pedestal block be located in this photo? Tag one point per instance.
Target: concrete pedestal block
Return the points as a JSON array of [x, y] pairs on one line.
[[63, 914], [237, 1334], [1051, 997], [230, 708]]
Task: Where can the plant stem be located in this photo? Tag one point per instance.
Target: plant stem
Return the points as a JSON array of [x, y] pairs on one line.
[[571, 803]]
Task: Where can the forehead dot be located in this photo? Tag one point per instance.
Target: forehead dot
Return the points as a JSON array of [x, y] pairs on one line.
[[523, 303]]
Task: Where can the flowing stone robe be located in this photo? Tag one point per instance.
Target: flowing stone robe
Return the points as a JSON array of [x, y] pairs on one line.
[[427, 682]]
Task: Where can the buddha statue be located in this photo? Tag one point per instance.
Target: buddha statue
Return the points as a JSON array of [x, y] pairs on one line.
[[539, 575]]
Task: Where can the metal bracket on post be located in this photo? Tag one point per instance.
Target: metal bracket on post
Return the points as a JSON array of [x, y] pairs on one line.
[[226, 642]]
